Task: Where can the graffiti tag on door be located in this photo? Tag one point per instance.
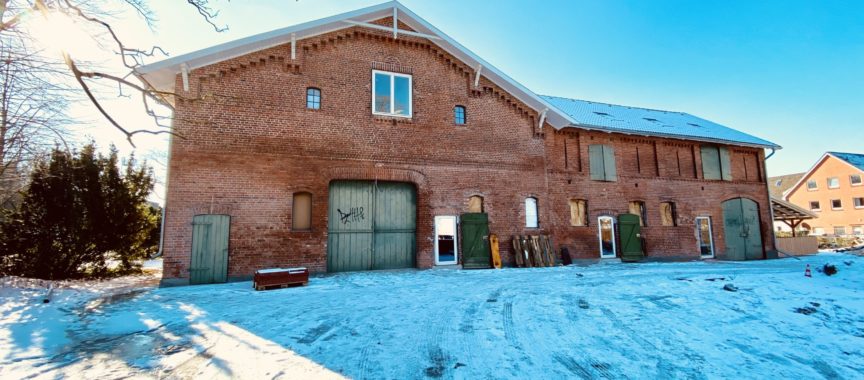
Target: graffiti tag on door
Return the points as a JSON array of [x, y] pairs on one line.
[[354, 214]]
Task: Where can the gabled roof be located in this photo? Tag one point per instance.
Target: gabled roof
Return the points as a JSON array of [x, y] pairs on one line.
[[852, 159], [778, 185], [558, 112], [646, 121], [161, 75]]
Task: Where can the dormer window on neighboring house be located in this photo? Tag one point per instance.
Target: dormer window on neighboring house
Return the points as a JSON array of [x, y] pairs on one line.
[[391, 94]]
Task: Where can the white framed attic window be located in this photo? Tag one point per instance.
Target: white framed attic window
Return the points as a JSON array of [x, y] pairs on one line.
[[391, 94]]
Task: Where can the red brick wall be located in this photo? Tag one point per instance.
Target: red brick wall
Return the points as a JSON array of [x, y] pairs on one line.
[[692, 197], [249, 143]]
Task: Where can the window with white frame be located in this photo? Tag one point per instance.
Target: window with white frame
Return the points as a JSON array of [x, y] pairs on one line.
[[531, 213], [858, 202], [391, 94], [855, 179], [812, 185], [833, 182], [836, 204], [814, 206], [839, 230]]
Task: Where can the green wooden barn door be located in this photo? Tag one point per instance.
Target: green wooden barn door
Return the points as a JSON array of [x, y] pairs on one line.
[[630, 232], [750, 222], [395, 225], [743, 234], [371, 227], [210, 235], [350, 230], [475, 241]]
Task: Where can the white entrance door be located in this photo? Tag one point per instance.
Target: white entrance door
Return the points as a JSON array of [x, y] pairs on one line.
[[606, 234], [446, 248], [704, 237]]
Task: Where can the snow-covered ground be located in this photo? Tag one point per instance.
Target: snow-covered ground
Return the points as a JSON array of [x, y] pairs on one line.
[[670, 320]]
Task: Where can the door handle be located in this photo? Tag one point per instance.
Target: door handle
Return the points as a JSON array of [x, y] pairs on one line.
[[485, 237]]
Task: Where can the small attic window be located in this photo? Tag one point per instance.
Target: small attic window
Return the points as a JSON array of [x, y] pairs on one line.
[[694, 125], [601, 113], [651, 119]]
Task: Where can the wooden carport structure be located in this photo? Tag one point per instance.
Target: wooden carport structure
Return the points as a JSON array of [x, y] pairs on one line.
[[789, 213]]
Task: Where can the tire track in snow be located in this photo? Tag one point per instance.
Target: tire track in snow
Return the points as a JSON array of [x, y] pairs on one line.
[[667, 354]]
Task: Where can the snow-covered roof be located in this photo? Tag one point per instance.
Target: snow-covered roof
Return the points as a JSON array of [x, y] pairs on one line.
[[558, 112], [854, 159], [651, 122]]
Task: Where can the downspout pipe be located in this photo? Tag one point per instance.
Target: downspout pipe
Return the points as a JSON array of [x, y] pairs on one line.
[[770, 206], [165, 196]]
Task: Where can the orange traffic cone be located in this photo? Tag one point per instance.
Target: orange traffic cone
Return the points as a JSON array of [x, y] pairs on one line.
[[807, 271]]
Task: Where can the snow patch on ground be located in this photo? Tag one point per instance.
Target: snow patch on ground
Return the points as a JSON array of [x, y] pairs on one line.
[[652, 320]]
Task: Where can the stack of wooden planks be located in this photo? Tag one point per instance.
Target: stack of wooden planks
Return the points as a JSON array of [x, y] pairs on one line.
[[533, 251]]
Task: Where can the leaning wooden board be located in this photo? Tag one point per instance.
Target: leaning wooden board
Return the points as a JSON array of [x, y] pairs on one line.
[[496, 254], [517, 252]]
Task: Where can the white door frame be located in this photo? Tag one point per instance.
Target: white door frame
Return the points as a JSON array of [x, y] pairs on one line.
[[455, 240], [699, 237], [600, 236]]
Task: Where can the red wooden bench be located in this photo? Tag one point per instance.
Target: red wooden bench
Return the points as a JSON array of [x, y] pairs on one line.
[[280, 277]]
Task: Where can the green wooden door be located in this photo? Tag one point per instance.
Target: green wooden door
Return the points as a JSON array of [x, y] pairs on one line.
[[630, 233], [210, 234], [743, 234], [475, 240], [371, 226], [395, 226]]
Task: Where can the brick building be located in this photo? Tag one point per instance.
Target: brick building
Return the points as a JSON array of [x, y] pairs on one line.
[[358, 141], [832, 189]]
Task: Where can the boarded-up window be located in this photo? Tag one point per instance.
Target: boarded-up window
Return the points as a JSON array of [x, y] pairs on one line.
[[475, 203], [578, 212], [715, 163], [531, 213], [668, 214], [638, 208], [602, 161], [301, 215]]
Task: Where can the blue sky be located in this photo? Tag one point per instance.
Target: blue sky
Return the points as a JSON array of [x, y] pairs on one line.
[[788, 71]]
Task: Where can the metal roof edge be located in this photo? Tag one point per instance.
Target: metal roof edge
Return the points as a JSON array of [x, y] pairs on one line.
[[675, 136]]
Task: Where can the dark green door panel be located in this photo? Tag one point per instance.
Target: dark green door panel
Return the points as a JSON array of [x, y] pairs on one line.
[[743, 234], [630, 233], [750, 223], [210, 235], [349, 238], [395, 225], [371, 226], [475, 241]]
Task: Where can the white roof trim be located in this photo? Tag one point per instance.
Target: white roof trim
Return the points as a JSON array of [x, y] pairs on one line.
[[806, 175], [161, 75]]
